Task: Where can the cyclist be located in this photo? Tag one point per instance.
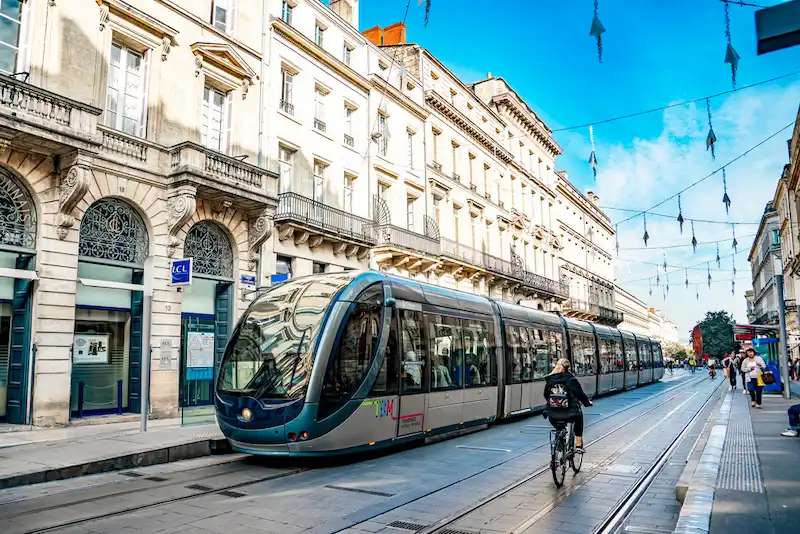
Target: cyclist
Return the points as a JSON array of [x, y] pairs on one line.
[[712, 367], [563, 397]]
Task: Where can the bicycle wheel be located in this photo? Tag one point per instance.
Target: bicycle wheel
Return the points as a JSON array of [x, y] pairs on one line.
[[558, 461], [575, 459]]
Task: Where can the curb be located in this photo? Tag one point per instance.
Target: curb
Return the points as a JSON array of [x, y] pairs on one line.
[[163, 455]]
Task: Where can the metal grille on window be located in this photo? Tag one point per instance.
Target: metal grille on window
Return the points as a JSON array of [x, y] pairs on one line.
[[112, 230], [17, 213], [211, 250]]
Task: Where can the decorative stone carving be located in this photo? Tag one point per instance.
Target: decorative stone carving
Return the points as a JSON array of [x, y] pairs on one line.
[[166, 43], [259, 229], [180, 208], [103, 14], [5, 144], [246, 82], [74, 184], [198, 64]]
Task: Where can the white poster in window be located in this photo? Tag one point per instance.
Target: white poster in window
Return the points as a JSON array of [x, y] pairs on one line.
[[201, 350], [90, 348]]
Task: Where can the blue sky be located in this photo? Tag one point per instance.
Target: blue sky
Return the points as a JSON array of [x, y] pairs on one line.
[[655, 53]]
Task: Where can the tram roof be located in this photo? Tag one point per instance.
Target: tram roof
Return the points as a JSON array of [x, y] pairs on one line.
[[578, 325], [413, 291], [521, 313], [606, 331]]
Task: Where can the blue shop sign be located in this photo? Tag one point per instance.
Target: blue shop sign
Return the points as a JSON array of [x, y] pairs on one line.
[[248, 280], [181, 272], [278, 278], [764, 340]]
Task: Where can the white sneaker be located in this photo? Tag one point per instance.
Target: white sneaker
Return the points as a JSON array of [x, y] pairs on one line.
[[789, 433], [744, 391]]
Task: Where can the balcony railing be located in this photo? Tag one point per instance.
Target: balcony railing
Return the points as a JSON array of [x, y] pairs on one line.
[[542, 283], [319, 125], [457, 251], [388, 234], [501, 204], [610, 314], [286, 107], [770, 317], [191, 157], [314, 214], [579, 305], [437, 166], [348, 140], [123, 144]]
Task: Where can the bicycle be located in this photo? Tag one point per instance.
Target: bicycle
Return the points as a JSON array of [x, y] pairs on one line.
[[562, 451]]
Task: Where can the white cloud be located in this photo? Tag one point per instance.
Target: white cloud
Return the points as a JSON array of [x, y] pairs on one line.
[[645, 171]]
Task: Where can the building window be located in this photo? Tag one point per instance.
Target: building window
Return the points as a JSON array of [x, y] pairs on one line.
[[347, 52], [318, 34], [383, 190], [410, 149], [222, 12], [436, 211], [410, 213], [348, 126], [11, 21], [319, 268], [455, 159], [383, 140], [286, 160], [319, 110], [216, 119], [318, 187], [347, 201], [776, 237], [471, 173], [456, 214], [286, 12], [283, 265], [486, 179], [383, 68], [126, 90], [436, 163], [287, 87]]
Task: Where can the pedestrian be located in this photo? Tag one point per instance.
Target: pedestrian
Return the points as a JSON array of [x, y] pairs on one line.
[[752, 366], [692, 364], [794, 419], [730, 369]]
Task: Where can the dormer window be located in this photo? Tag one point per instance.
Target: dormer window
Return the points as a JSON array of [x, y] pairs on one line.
[[319, 34]]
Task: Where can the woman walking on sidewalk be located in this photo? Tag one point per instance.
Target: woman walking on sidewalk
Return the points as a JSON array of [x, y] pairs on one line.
[[729, 364], [752, 366]]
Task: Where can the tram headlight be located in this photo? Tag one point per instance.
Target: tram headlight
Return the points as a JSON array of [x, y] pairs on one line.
[[246, 416]]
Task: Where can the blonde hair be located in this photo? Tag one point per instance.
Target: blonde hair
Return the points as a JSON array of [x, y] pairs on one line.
[[562, 366]]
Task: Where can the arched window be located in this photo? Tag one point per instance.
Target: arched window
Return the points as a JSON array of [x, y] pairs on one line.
[[211, 250], [112, 230], [17, 213]]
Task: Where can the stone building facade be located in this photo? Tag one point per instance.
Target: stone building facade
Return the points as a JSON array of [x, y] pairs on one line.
[[765, 263]]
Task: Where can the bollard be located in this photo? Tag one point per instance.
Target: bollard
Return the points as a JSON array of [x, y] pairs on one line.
[[81, 387], [119, 397]]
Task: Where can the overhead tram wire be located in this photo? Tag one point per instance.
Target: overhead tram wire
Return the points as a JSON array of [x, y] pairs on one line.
[[675, 105], [650, 213], [678, 267], [706, 177], [699, 243]]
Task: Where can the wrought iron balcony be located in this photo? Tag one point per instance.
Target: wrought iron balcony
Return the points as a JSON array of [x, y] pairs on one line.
[[437, 166], [462, 253], [348, 140], [389, 234], [37, 120], [319, 125], [545, 284], [326, 220], [286, 107], [580, 306], [610, 315], [770, 317]]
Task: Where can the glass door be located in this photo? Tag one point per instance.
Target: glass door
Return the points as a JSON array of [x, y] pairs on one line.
[[197, 360]]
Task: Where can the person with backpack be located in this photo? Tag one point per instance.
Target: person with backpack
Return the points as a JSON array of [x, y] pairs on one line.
[[563, 397]]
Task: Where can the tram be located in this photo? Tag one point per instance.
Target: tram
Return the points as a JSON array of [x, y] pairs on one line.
[[343, 362]]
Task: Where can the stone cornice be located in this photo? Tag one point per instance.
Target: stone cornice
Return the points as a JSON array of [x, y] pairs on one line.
[[577, 235], [140, 18], [399, 98], [584, 204], [440, 104], [518, 110], [326, 58], [225, 57]]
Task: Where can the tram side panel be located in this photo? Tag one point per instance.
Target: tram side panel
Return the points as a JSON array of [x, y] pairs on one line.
[[584, 360], [631, 378]]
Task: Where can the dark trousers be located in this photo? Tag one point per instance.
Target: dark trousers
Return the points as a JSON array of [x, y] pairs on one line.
[[755, 391], [794, 415], [576, 420], [732, 376]]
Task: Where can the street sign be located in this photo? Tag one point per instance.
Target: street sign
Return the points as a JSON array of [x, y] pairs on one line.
[[249, 280], [181, 272], [278, 278]]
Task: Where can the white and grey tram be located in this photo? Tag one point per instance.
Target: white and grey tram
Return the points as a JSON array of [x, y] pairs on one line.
[[338, 363]]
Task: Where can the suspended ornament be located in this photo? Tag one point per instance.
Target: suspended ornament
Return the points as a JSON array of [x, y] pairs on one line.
[[593, 155], [665, 262], [734, 266], [709, 276], [650, 286], [694, 239], [687, 278], [711, 138], [717, 255], [597, 30], [658, 278], [731, 56], [734, 243], [725, 198], [733, 287], [667, 285], [616, 238], [646, 236], [697, 289], [680, 214]]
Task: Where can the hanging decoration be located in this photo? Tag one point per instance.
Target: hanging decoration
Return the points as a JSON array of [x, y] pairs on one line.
[[734, 243], [709, 276], [725, 198], [731, 56], [717, 255], [733, 287], [697, 289], [665, 262], [733, 263], [658, 277], [646, 236], [597, 30], [680, 214], [593, 155], [711, 138], [616, 238], [694, 239], [667, 284], [650, 286], [687, 278]]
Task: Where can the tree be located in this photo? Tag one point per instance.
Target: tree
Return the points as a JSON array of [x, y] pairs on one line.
[[717, 330], [670, 349]]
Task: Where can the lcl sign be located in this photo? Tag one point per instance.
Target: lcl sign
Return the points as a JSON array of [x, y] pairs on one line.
[[181, 272]]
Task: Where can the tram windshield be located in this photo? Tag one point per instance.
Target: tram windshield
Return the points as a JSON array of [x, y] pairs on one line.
[[271, 355]]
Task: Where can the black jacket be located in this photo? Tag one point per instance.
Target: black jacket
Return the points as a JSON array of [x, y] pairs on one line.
[[574, 388]]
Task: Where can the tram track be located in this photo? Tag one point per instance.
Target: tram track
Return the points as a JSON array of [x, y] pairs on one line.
[[622, 509], [208, 488]]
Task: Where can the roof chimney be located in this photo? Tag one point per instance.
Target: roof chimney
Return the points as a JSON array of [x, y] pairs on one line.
[[374, 34], [394, 34], [594, 198], [489, 74]]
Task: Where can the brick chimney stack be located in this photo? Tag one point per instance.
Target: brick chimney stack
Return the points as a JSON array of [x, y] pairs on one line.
[[389, 36]]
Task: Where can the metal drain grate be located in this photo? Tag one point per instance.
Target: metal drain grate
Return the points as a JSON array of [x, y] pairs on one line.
[[229, 493], [132, 474], [199, 487], [405, 525], [456, 531], [156, 479], [359, 490]]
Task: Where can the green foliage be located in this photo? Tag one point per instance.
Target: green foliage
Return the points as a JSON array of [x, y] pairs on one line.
[[717, 330], [681, 355]]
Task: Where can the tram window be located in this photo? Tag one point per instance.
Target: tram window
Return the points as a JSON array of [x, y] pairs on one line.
[[630, 356], [386, 383], [556, 348], [479, 345], [619, 357], [525, 356], [352, 357], [604, 356], [644, 355], [513, 355], [539, 346], [583, 354], [413, 355], [447, 353]]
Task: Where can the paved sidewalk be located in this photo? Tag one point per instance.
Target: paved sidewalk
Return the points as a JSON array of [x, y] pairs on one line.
[[40, 455], [759, 478]]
